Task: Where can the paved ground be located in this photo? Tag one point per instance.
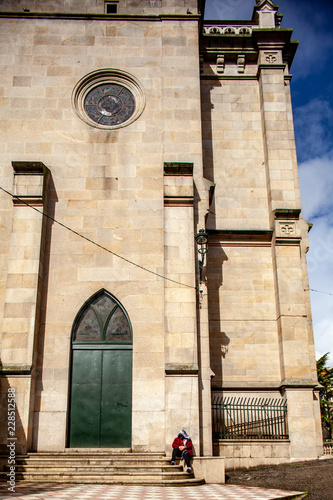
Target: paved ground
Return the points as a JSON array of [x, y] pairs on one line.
[[314, 477], [260, 483], [109, 492]]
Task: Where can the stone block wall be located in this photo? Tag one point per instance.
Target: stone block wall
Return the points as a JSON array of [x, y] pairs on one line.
[[258, 305], [243, 332], [244, 454], [234, 153], [229, 135], [99, 7], [106, 185]]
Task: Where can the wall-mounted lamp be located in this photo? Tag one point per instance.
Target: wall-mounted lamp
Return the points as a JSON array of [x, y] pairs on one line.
[[201, 238]]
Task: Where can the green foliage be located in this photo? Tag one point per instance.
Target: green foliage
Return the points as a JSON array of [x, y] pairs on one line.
[[325, 378]]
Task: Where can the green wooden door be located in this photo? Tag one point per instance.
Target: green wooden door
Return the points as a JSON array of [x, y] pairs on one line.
[[116, 398], [101, 399], [101, 384]]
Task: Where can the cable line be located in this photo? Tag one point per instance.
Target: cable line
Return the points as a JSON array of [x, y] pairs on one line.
[[320, 291], [94, 242]]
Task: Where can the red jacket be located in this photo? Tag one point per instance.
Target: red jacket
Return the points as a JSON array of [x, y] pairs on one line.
[[179, 442]]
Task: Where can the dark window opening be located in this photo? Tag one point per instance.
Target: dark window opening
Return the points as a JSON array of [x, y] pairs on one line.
[[111, 8]]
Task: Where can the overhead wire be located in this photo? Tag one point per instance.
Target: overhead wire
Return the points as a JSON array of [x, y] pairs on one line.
[[320, 291], [95, 243], [110, 251]]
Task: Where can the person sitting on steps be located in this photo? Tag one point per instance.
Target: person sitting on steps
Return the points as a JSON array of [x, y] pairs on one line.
[[182, 447]]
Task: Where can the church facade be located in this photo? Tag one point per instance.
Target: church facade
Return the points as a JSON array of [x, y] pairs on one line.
[[128, 128]]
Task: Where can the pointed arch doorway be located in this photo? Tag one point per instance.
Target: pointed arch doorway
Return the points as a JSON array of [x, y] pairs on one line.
[[100, 411]]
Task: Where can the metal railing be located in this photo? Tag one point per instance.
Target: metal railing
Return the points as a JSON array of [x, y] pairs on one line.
[[246, 418]]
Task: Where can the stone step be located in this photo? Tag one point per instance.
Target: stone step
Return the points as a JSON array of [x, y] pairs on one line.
[[81, 473], [95, 452], [90, 467], [101, 466], [105, 461], [180, 479], [97, 460], [129, 480]]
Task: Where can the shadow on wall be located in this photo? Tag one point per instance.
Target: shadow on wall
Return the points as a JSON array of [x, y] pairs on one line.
[[13, 440], [219, 341], [17, 380], [39, 349], [207, 107]]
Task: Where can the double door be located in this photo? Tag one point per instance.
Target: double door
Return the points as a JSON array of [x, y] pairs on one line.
[[101, 397]]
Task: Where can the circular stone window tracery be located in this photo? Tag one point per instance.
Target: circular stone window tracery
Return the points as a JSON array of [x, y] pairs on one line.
[[108, 99]]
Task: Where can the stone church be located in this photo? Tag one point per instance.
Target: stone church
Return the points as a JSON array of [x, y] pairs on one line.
[[153, 251]]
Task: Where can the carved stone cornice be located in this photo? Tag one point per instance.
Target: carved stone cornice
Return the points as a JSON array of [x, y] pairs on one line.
[[287, 226], [241, 49], [227, 29]]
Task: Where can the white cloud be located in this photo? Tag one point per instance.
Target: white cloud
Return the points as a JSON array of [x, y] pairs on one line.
[[316, 182], [320, 268]]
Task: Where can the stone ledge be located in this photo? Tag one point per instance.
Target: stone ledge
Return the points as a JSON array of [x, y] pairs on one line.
[[239, 235], [178, 201], [287, 213], [258, 386], [15, 369], [180, 369], [101, 17], [248, 386], [299, 384], [178, 168]]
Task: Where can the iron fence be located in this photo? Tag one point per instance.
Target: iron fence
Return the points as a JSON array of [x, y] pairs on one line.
[[246, 418]]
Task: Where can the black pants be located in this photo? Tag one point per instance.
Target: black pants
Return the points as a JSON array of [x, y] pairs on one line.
[[177, 453]]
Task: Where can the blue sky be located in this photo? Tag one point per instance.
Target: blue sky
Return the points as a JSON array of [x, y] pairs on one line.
[[312, 97]]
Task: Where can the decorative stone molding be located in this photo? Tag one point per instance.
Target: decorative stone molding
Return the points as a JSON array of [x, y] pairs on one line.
[[220, 64], [241, 64], [287, 226], [287, 232], [224, 349], [227, 30], [262, 48], [201, 62], [102, 79], [270, 57]]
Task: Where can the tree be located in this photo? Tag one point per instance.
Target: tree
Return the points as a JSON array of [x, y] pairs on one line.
[[325, 378]]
